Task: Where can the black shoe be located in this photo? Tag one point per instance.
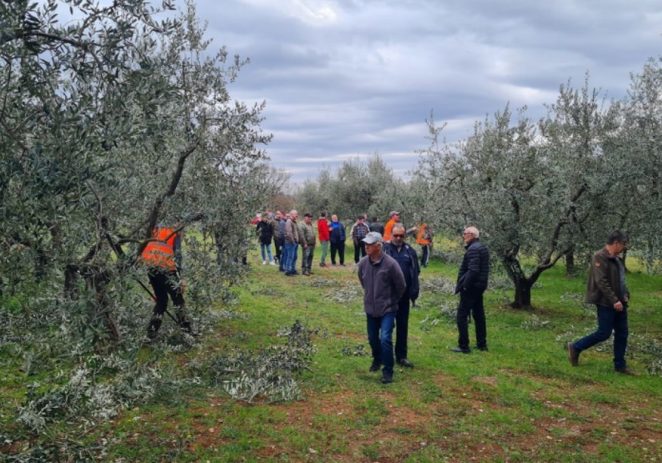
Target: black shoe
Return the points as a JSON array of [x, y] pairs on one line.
[[573, 354], [460, 350], [387, 378], [405, 363], [625, 371], [375, 367], [483, 348]]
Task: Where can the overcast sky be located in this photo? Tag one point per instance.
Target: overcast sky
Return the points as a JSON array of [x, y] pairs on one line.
[[348, 78]]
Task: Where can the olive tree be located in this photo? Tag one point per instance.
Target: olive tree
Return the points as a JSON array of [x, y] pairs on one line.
[[638, 158], [357, 187], [530, 187], [112, 120]]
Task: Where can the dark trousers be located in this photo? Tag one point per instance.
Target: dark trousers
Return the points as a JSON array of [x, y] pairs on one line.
[[402, 328], [471, 303], [340, 249], [609, 320], [359, 251], [278, 248], [380, 336], [425, 255], [166, 283], [307, 259]]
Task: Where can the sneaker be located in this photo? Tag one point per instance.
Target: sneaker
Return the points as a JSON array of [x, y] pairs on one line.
[[405, 363], [460, 350], [272, 263], [264, 262], [573, 354], [387, 378], [483, 348], [375, 366]]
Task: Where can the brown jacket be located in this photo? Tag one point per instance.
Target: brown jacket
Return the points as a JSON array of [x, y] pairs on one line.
[[604, 280]]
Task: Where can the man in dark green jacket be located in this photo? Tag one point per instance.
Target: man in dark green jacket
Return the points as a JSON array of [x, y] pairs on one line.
[[607, 290]]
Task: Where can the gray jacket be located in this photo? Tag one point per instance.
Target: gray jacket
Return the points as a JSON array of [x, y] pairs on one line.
[[383, 285]]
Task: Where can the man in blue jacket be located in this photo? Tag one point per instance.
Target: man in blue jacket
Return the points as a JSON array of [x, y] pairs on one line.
[[406, 257], [337, 238], [471, 284]]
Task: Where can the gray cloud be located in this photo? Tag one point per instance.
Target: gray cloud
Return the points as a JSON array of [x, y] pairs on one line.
[[346, 78]]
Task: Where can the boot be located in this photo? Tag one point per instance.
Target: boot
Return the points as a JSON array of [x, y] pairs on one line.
[[153, 328]]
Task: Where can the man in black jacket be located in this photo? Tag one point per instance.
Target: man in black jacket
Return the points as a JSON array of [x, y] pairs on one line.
[[471, 284], [406, 257]]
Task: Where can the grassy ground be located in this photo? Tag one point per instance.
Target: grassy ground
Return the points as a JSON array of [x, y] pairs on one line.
[[521, 401]]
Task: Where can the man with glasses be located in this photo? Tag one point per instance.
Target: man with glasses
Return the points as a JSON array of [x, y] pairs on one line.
[[407, 259], [471, 284], [607, 290], [383, 285]]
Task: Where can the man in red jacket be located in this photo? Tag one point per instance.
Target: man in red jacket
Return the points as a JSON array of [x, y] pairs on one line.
[[323, 235]]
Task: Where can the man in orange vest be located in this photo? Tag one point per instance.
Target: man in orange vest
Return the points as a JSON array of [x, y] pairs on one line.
[[394, 217], [162, 256], [424, 240]]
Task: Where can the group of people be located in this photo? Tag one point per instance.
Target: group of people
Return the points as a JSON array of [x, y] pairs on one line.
[[388, 271], [389, 284], [288, 234], [389, 277]]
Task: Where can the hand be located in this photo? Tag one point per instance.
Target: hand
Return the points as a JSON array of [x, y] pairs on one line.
[[618, 306]]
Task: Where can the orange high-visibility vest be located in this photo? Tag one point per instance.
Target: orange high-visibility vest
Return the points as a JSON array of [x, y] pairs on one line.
[[161, 253], [420, 236], [388, 229]]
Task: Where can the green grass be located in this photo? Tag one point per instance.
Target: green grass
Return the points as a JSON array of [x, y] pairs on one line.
[[521, 401]]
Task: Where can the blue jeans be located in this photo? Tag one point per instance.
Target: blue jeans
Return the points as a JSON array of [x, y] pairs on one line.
[[609, 319], [380, 336], [265, 250], [290, 257]]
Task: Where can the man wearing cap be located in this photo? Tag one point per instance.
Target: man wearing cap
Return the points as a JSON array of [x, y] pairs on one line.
[[471, 284], [407, 259], [394, 217], [307, 234], [383, 285], [607, 290], [359, 230]]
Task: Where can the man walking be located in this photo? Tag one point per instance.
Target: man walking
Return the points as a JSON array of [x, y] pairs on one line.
[[307, 233], [383, 285], [607, 290], [471, 284], [407, 259]]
